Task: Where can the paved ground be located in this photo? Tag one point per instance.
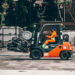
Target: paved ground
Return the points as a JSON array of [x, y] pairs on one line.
[[21, 61], [35, 72]]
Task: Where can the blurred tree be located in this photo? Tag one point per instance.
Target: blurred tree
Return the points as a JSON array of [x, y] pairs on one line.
[[16, 13], [32, 13], [1, 10], [10, 18], [0, 18], [21, 13], [51, 10], [1, 2]]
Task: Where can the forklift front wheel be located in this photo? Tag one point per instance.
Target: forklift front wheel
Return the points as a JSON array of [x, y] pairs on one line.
[[64, 55], [35, 54]]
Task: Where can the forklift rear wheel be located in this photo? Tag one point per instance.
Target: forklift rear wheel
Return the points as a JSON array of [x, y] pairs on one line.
[[35, 54], [64, 55]]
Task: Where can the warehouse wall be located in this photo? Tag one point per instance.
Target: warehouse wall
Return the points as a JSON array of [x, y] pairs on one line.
[[7, 33]]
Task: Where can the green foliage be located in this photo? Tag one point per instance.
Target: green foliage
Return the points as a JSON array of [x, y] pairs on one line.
[[1, 2], [0, 18], [21, 13], [1, 10]]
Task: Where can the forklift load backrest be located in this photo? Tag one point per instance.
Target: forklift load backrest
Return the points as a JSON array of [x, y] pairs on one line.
[[47, 30]]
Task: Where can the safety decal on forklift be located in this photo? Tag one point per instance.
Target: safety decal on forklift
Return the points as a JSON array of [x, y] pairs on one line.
[[45, 54]]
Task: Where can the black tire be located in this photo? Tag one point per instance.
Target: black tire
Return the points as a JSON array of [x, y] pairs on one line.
[[66, 37], [64, 55], [35, 54]]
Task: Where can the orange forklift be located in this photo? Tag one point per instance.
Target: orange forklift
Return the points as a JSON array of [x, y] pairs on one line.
[[59, 48]]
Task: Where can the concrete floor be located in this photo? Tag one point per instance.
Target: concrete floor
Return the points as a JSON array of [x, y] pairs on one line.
[[10, 60], [35, 72]]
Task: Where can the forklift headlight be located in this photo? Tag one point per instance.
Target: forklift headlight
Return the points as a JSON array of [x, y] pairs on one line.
[[32, 42], [39, 41], [65, 47]]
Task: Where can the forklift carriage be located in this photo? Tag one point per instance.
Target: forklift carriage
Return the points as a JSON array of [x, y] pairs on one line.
[[57, 49]]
